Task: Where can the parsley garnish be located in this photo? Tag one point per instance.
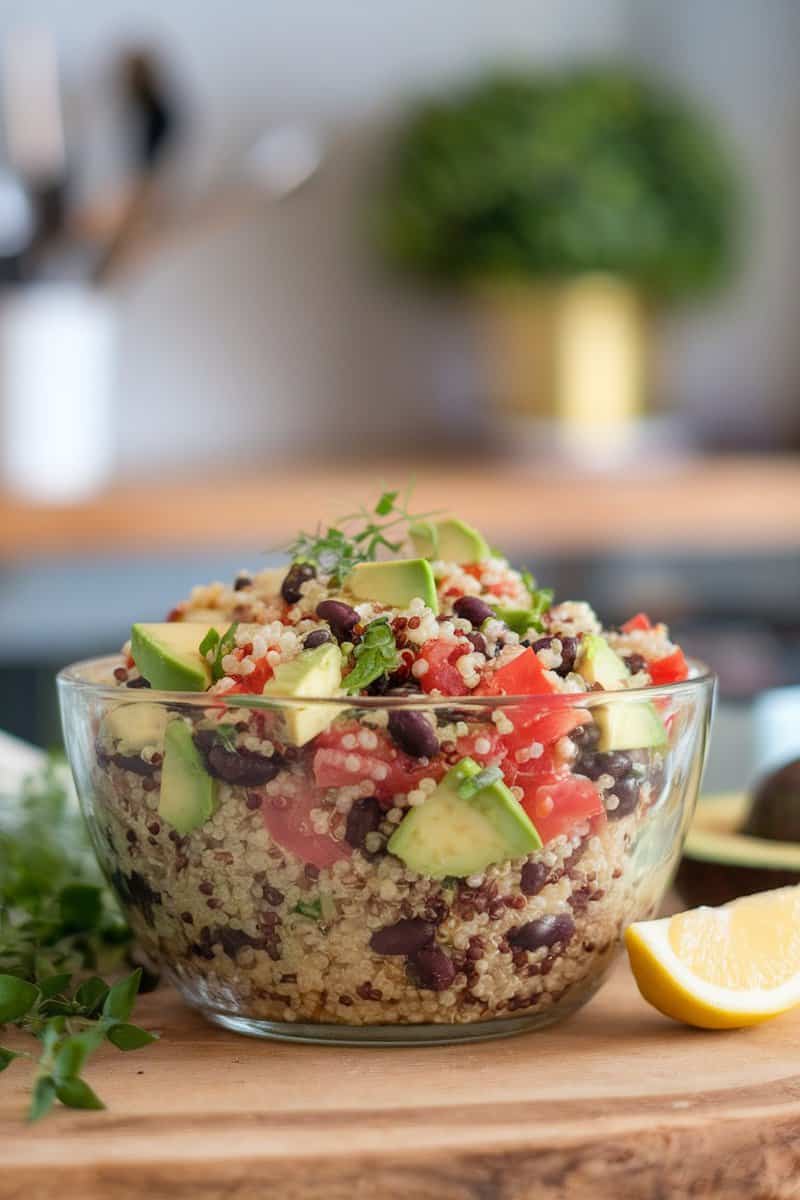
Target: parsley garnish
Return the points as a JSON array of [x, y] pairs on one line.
[[221, 646], [58, 920], [375, 654], [312, 909], [357, 537]]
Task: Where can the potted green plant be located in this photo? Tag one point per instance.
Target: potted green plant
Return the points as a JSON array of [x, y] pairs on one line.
[[571, 204]]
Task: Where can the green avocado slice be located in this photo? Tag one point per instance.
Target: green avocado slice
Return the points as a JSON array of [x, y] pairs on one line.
[[316, 673], [167, 654], [470, 821], [396, 583], [449, 540], [188, 793]]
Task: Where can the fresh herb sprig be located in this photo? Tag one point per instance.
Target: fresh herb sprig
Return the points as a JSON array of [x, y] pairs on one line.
[[71, 1022], [221, 646], [58, 922], [358, 536], [375, 654]]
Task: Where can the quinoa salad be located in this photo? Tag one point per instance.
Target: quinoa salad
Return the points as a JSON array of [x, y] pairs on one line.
[[376, 786]]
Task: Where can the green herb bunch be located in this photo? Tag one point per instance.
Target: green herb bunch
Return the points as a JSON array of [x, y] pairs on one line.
[[357, 537], [551, 175], [59, 924]]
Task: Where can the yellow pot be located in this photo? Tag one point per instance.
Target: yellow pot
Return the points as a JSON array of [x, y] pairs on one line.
[[573, 353]]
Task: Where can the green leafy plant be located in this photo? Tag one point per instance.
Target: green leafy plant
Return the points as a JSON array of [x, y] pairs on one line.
[[550, 176], [58, 924], [221, 646], [374, 655], [357, 537]]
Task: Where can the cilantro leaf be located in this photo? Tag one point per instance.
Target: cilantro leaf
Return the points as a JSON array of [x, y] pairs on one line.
[[374, 655]]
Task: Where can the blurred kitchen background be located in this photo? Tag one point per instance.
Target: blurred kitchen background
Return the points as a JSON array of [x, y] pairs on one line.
[[257, 260]]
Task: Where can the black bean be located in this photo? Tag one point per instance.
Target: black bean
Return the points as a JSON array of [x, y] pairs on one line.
[[135, 763], [627, 792], [135, 890], [317, 637], [364, 817], [635, 663], [405, 937], [243, 580], [379, 686], [544, 931], [298, 574], [139, 682], [593, 765], [533, 877], [472, 609], [244, 767], [414, 734], [478, 643], [586, 736], [434, 970], [569, 652], [340, 616]]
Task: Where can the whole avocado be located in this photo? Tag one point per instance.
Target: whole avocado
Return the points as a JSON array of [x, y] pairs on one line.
[[775, 813]]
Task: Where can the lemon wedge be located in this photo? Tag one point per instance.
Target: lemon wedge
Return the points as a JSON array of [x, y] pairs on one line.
[[721, 968]]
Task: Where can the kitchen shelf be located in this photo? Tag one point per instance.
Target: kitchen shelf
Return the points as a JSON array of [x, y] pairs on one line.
[[734, 505]]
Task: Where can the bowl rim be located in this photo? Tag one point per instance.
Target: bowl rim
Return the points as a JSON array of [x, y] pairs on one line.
[[72, 678]]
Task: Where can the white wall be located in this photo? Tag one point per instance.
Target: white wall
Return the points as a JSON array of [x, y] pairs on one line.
[[278, 331]]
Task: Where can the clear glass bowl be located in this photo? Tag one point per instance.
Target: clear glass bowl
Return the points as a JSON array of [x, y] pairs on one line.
[[275, 907]]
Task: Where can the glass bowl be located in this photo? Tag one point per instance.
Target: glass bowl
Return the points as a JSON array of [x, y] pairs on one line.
[[248, 842]]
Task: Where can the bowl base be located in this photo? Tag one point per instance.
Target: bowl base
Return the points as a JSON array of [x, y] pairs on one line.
[[394, 1035]]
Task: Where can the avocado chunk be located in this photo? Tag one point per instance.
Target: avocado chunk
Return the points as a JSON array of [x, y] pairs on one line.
[[188, 792], [598, 663], [396, 583], [468, 822], [449, 540], [134, 726], [630, 727], [168, 655], [316, 673]]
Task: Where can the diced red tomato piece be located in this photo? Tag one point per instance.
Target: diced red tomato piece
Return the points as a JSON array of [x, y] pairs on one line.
[[387, 776], [639, 621], [557, 803], [523, 676], [442, 674], [535, 724], [670, 669], [503, 587], [252, 684], [288, 820], [473, 745]]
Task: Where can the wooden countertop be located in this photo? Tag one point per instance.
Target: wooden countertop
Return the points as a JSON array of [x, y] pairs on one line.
[[616, 1102], [734, 504]]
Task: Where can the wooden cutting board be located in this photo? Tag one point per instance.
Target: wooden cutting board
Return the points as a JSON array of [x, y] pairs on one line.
[[617, 1102]]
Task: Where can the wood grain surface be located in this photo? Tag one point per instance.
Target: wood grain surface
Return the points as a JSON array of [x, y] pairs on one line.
[[616, 1102], [736, 504]]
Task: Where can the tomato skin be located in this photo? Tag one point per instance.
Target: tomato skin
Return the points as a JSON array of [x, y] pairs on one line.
[[670, 669], [252, 684], [639, 621], [290, 827], [498, 749], [523, 676], [442, 674], [537, 723], [389, 770], [557, 803]]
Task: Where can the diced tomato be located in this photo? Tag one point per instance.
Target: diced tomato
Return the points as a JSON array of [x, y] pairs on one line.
[[557, 803], [473, 745], [291, 828], [442, 674], [534, 724], [252, 684], [523, 676], [670, 669], [639, 621], [388, 776], [503, 587]]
